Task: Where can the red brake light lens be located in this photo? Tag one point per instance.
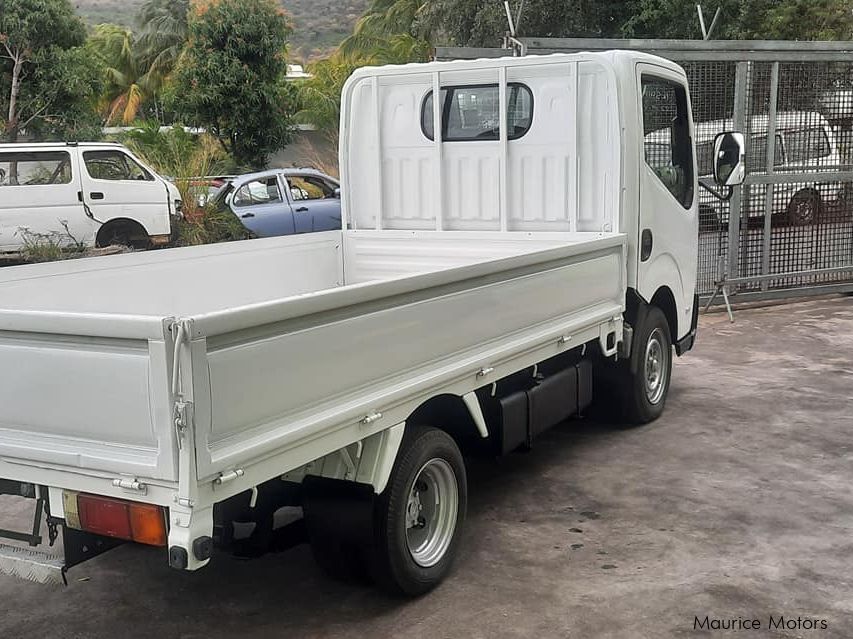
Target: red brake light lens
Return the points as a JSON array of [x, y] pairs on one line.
[[142, 523]]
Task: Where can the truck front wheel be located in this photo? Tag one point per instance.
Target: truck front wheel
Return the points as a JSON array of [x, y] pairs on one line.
[[645, 389], [420, 514]]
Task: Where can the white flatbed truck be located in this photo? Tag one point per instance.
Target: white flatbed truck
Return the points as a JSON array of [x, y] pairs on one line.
[[490, 281]]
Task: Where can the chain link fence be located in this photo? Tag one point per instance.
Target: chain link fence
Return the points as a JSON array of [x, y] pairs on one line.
[[789, 230]]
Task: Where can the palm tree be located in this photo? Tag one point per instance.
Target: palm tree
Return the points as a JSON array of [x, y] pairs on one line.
[[163, 33], [385, 25], [127, 82]]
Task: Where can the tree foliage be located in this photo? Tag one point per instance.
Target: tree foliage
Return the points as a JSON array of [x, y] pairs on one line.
[[231, 77], [126, 81], [48, 85], [164, 29], [802, 20], [483, 22]]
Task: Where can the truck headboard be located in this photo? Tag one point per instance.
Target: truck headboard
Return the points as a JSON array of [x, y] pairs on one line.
[[526, 144]]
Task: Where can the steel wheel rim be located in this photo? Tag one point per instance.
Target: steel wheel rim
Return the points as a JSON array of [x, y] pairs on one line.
[[655, 367], [431, 512], [805, 211]]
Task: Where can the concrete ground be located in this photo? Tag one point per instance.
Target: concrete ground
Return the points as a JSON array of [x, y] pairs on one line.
[[737, 503]]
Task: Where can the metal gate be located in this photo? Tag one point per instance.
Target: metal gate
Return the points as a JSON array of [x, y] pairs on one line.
[[789, 230]]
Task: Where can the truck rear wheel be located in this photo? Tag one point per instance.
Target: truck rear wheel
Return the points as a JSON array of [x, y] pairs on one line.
[[644, 391], [420, 515]]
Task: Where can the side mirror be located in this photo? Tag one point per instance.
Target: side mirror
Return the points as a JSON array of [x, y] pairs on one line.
[[730, 159], [338, 193]]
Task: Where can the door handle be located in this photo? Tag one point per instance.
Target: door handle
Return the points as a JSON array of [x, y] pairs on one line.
[[79, 196], [96, 195], [647, 243], [247, 215], [302, 209]]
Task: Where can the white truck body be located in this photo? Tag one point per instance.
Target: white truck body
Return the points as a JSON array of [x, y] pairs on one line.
[[188, 377], [83, 194]]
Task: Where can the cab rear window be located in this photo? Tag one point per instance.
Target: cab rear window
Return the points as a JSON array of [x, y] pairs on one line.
[[472, 113]]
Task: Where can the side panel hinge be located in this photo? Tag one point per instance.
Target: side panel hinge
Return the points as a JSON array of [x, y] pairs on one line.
[[131, 485], [229, 476]]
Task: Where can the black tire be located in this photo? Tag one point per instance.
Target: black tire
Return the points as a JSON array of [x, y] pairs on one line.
[[641, 401], [393, 565], [806, 207]]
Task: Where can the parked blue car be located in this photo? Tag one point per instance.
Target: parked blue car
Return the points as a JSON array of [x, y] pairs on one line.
[[284, 201]]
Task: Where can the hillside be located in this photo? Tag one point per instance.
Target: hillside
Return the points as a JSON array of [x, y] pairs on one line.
[[319, 25]]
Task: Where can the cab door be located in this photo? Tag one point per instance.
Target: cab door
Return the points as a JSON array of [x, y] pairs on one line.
[[669, 223], [117, 186]]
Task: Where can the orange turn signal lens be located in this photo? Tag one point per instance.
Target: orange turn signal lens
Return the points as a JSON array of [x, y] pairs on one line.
[[148, 524], [142, 523]]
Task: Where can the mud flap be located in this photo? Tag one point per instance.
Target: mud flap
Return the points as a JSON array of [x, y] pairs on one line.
[[337, 509]]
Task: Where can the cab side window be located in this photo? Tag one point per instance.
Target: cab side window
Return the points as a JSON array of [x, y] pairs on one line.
[[114, 166], [666, 130]]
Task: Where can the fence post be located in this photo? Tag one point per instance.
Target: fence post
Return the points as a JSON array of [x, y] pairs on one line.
[[736, 205], [771, 169]]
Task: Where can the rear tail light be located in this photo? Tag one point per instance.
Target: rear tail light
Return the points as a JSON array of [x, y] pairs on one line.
[[142, 523]]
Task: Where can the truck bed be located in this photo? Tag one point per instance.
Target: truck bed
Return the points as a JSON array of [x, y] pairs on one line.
[[283, 347]]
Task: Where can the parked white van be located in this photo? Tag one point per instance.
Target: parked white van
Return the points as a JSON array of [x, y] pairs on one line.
[[805, 143], [89, 194]]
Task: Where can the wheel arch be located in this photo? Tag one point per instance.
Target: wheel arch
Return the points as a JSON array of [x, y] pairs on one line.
[[636, 309], [459, 417], [664, 299], [118, 223]]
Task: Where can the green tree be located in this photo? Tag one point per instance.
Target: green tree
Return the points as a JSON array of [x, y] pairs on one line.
[[48, 84], [127, 81], [164, 29], [484, 23], [320, 96], [231, 80], [799, 20], [754, 19]]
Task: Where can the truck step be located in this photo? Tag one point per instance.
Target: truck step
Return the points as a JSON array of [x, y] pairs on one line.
[[31, 565]]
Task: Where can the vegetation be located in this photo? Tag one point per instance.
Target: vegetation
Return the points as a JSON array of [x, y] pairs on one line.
[[47, 82], [185, 157], [232, 77], [319, 25], [50, 247], [181, 156], [218, 224], [125, 81], [483, 22]]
